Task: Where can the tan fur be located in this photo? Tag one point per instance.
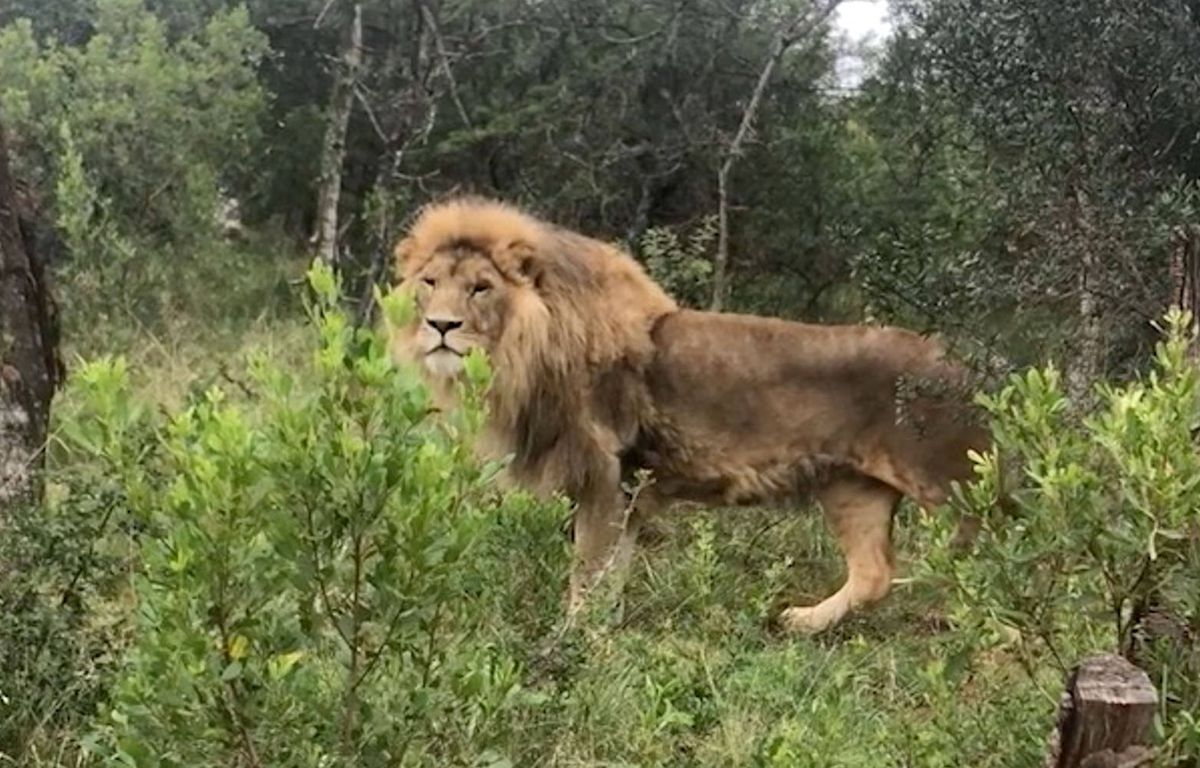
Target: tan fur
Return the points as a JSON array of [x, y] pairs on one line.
[[599, 374]]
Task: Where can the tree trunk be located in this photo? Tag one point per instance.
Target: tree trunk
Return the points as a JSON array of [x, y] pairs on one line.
[[333, 152], [1089, 352], [799, 28], [30, 369], [1086, 365], [1185, 276]]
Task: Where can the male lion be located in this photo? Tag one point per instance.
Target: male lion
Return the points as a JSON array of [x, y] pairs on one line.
[[598, 374]]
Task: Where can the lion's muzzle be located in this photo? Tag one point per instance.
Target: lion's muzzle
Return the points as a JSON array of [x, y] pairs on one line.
[[443, 350]]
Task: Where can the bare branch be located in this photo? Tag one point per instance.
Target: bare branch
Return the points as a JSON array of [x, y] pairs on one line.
[[444, 60], [366, 105], [800, 27], [321, 16]]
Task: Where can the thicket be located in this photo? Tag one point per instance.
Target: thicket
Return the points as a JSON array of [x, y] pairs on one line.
[[1091, 527], [297, 573], [1012, 174]]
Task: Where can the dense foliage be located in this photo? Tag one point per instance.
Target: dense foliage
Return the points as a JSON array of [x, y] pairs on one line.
[[1101, 531], [1007, 168]]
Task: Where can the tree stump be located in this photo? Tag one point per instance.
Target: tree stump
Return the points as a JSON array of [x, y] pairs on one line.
[[1104, 716]]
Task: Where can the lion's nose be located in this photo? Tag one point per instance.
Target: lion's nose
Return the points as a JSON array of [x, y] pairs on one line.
[[443, 326]]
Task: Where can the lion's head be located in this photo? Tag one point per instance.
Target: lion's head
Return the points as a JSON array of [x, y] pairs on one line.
[[551, 307], [464, 299], [471, 267]]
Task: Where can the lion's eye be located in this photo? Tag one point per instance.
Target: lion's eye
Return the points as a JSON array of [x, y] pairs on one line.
[[430, 282], [480, 288]]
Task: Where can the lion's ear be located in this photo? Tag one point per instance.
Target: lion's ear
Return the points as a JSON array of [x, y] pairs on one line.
[[403, 253], [520, 259]]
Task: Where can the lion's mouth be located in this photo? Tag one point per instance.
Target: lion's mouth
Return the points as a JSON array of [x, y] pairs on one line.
[[444, 348], [443, 360]]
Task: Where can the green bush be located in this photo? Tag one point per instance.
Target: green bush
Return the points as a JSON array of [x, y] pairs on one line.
[[684, 268], [309, 568], [126, 141], [65, 567], [306, 573], [1099, 549]]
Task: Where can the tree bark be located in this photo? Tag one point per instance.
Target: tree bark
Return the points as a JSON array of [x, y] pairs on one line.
[[1086, 366], [797, 29], [333, 152], [30, 369]]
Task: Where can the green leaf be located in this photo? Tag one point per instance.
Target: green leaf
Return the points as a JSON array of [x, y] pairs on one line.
[[232, 672], [280, 664]]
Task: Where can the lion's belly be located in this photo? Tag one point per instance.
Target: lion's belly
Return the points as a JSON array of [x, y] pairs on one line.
[[718, 477]]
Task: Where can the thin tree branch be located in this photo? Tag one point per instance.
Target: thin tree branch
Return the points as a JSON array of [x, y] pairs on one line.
[[444, 60], [321, 16], [800, 27], [366, 105]]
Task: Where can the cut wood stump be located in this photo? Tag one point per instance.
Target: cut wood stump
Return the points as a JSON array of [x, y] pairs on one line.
[[1104, 717]]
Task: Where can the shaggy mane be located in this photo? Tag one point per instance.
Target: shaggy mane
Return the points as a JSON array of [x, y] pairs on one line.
[[478, 224]]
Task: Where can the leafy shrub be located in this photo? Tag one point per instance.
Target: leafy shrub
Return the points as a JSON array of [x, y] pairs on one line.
[[306, 563], [1100, 548], [126, 140], [684, 268], [309, 568], [64, 569], [156, 122], [210, 527], [61, 636], [102, 271]]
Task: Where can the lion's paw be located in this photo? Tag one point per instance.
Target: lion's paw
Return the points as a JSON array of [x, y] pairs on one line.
[[804, 621]]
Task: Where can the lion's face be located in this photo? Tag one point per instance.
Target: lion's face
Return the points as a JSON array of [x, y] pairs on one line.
[[462, 301]]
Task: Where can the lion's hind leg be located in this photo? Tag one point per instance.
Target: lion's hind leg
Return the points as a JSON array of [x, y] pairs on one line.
[[859, 511]]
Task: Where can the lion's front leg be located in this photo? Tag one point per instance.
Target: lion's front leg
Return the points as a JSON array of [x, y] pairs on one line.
[[605, 533]]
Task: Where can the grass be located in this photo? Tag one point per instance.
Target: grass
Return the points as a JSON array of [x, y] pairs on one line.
[[696, 674], [193, 326]]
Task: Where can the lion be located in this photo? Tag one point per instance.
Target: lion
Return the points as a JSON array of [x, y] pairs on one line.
[[600, 376]]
